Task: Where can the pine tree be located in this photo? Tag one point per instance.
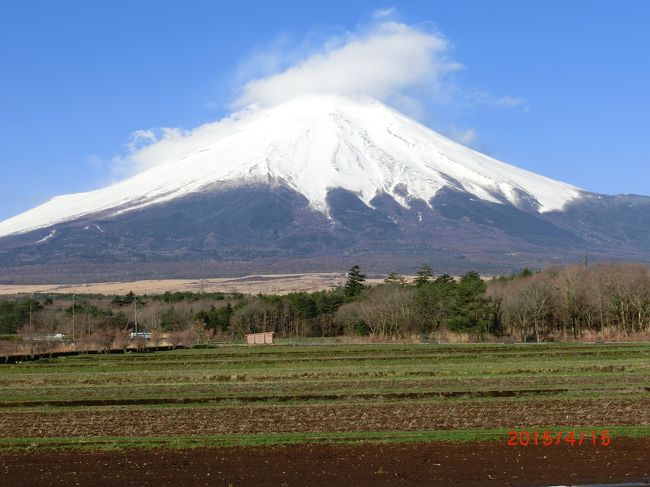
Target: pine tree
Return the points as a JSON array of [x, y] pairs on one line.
[[354, 284], [394, 278], [423, 276], [471, 310]]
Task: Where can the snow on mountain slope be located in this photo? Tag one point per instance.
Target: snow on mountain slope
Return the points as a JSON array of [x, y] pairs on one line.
[[313, 144]]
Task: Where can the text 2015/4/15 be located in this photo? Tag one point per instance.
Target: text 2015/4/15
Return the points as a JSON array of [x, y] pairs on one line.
[[550, 438]]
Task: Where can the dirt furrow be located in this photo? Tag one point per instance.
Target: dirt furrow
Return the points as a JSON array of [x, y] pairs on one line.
[[134, 421]]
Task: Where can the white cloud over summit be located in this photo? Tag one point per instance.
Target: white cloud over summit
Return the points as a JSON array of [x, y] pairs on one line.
[[385, 62], [406, 66]]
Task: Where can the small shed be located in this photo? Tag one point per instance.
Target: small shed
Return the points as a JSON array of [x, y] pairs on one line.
[[265, 338]]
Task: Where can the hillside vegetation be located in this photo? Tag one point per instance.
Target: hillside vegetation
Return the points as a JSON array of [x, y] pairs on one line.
[[602, 302]]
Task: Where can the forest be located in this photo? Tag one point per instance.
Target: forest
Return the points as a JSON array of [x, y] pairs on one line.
[[603, 301]]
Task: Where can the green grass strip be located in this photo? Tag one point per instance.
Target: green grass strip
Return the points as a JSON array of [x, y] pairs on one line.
[[111, 443]]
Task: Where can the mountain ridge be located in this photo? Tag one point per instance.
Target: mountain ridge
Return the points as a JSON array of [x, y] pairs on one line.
[[313, 144], [315, 187]]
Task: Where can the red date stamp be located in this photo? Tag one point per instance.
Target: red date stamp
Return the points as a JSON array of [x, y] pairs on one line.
[[553, 438]]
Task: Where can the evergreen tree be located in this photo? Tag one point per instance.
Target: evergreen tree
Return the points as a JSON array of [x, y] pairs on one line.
[[445, 279], [14, 314], [433, 302], [423, 276], [394, 278], [168, 319], [471, 309], [354, 284], [128, 299], [526, 272], [216, 318]]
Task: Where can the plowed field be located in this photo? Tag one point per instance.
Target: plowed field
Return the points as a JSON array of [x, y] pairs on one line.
[[423, 413]]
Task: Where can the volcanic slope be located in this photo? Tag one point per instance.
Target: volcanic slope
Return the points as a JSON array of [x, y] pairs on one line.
[[318, 176]]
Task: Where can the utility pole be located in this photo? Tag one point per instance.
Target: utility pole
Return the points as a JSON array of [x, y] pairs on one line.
[[135, 314], [73, 317], [586, 259]]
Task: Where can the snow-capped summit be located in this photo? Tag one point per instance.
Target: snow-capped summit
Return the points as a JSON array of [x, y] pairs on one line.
[[318, 182], [313, 144]]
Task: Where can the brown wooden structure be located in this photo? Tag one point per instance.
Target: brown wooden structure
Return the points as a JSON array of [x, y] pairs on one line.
[[265, 338]]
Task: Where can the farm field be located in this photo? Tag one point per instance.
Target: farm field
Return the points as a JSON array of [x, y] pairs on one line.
[[252, 284], [340, 400]]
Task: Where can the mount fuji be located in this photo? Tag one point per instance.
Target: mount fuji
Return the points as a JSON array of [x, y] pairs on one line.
[[323, 180]]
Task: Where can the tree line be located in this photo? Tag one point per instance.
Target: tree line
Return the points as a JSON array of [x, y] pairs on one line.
[[558, 303], [571, 302]]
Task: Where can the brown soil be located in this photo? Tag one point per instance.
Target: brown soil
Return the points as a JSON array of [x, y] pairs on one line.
[[271, 283], [447, 414], [430, 464], [283, 398]]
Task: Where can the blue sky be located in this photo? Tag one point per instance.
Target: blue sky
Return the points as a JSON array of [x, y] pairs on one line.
[[557, 87]]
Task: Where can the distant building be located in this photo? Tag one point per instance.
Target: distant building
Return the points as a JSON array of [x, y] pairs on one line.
[[141, 334], [265, 338], [45, 337]]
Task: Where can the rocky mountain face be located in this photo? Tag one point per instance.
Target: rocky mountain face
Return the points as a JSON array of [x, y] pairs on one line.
[[321, 181]]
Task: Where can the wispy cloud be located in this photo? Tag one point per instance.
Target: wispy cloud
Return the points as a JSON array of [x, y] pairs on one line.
[[511, 101], [384, 13], [466, 137], [485, 98], [140, 138], [407, 66], [388, 60]]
